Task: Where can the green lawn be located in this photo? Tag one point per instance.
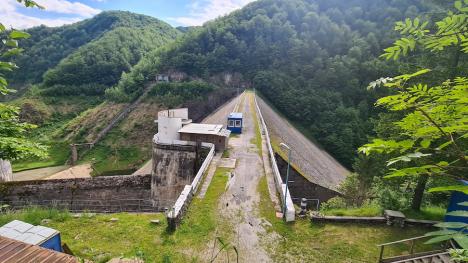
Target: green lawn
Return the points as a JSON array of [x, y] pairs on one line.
[[303, 241], [428, 213], [97, 238], [58, 155], [257, 140]]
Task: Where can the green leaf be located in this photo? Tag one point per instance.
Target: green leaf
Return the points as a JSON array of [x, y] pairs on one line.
[[438, 239], [441, 232], [462, 240], [458, 5], [2, 27], [451, 225], [10, 42], [425, 143], [459, 188], [458, 213], [15, 34]]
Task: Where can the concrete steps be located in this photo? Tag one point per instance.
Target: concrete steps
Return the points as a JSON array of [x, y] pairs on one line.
[[434, 257]]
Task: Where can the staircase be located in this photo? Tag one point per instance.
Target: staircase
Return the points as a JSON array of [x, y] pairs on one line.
[[436, 256], [441, 257]]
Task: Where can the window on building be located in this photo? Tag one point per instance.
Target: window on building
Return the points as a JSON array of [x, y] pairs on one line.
[[231, 123], [238, 123]]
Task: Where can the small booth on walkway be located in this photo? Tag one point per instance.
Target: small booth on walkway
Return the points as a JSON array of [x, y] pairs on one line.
[[235, 122]]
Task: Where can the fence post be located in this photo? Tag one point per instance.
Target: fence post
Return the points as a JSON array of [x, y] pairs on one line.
[[381, 253]]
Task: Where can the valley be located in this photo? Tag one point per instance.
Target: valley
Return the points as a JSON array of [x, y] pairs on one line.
[[277, 131]]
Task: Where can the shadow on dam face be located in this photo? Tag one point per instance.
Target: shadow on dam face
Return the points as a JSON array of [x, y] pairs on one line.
[[300, 187], [174, 167]]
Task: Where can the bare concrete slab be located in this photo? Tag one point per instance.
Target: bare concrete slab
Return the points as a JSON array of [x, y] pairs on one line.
[[227, 163]]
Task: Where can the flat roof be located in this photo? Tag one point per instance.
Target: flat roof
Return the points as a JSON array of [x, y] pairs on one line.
[[21, 231], [235, 115], [14, 251], [200, 128]]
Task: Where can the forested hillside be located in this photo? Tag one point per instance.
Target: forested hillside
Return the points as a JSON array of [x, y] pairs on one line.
[[64, 70], [86, 56], [312, 59]]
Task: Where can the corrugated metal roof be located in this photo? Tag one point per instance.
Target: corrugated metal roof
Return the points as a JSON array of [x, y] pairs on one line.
[[21, 231], [235, 115], [13, 251]]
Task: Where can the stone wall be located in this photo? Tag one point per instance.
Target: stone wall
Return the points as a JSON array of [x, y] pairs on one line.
[[301, 187], [100, 194]]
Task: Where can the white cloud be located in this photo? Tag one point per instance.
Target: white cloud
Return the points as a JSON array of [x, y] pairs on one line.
[[67, 7], [10, 13], [204, 10]]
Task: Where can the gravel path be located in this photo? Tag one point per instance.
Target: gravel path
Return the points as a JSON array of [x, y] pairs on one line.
[[319, 166], [240, 202]]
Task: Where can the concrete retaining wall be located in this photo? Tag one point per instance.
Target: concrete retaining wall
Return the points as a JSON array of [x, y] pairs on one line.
[[99, 194], [300, 187], [280, 186], [180, 207]]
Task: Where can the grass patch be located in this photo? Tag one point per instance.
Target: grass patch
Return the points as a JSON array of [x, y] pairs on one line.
[[98, 239], [436, 213], [369, 210], [257, 140], [106, 159], [59, 152], [226, 153], [303, 241]]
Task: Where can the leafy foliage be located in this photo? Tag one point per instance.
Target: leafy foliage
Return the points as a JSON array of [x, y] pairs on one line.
[[309, 58], [434, 115], [449, 31], [91, 54], [13, 140]]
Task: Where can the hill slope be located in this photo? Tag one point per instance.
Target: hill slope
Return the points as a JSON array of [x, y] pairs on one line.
[[311, 58], [106, 44], [64, 70]]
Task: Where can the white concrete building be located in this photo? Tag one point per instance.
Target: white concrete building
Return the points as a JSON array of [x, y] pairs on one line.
[[169, 123]]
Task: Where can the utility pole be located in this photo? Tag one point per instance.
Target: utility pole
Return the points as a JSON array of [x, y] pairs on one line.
[[287, 179]]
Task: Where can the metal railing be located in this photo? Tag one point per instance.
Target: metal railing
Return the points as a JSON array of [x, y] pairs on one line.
[[411, 242], [281, 187]]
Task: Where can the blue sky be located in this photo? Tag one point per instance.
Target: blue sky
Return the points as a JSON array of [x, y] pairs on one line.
[[59, 12]]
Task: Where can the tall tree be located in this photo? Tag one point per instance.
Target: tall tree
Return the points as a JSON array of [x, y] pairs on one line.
[[13, 141], [434, 125]]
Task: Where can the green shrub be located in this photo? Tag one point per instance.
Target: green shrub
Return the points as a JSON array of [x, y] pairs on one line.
[[334, 203]]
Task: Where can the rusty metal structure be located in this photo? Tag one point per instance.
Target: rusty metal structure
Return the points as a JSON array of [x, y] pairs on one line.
[[13, 251]]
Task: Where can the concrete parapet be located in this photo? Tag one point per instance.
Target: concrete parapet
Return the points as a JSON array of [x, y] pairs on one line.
[[280, 186]]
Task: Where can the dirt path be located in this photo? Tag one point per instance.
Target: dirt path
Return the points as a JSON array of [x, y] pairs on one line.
[[318, 166], [77, 171], [240, 201], [38, 174]]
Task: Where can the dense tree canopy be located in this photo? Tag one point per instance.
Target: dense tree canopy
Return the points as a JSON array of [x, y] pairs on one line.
[[88, 55], [311, 59]]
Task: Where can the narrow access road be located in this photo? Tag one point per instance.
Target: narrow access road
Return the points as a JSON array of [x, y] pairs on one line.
[[319, 166], [239, 204]]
